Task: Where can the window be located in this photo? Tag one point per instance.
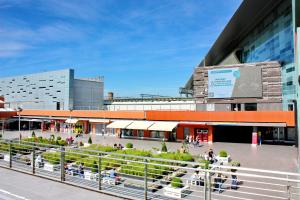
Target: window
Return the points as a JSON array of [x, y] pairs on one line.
[[57, 105], [290, 107], [126, 132], [157, 134], [140, 133], [250, 106], [235, 107]]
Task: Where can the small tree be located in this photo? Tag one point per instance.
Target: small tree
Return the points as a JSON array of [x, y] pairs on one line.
[[176, 182], [52, 137], [164, 147], [90, 140], [33, 134], [94, 167]]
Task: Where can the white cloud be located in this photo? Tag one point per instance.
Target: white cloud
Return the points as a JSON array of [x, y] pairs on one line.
[[11, 48]]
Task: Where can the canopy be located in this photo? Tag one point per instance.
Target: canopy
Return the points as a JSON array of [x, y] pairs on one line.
[[140, 125], [104, 121], [71, 121], [163, 126], [119, 124]]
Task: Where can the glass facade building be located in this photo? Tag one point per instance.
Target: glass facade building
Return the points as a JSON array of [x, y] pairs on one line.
[[273, 40]]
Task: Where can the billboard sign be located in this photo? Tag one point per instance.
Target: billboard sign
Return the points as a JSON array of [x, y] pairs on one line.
[[234, 82]]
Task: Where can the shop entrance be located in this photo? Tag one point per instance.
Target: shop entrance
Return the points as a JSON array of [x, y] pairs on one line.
[[234, 134], [277, 135], [202, 134]]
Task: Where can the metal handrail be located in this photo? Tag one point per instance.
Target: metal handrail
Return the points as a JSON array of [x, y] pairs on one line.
[[149, 173]]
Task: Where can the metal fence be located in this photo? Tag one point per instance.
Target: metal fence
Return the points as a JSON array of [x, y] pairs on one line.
[[141, 177]]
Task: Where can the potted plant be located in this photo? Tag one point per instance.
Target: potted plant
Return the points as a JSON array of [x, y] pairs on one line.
[[176, 189], [223, 157], [235, 164], [129, 146]]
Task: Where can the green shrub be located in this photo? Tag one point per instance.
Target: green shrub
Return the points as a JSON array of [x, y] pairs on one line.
[[52, 157], [58, 138], [223, 153], [129, 145], [90, 140], [61, 142], [33, 134], [94, 167], [52, 137], [235, 164], [204, 164], [164, 147], [99, 147], [176, 182]]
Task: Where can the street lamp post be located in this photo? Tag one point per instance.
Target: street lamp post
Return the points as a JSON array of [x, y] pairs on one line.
[[19, 114], [70, 124]]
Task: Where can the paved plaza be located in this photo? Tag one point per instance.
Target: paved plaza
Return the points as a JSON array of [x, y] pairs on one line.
[[269, 157], [12, 188]]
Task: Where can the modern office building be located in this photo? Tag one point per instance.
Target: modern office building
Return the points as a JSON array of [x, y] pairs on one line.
[[253, 66], [53, 90]]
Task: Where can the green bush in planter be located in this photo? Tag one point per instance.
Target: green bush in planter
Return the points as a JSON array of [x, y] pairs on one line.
[[129, 145], [33, 134], [164, 147], [176, 182], [58, 138], [52, 157], [235, 164], [90, 140], [61, 142], [223, 153]]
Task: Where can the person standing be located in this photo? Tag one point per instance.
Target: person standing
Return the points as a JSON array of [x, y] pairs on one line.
[[81, 170], [259, 138]]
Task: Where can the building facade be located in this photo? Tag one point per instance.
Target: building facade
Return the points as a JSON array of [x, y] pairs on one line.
[[54, 90]]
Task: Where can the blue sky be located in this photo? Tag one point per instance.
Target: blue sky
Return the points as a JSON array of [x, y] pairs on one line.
[[149, 46]]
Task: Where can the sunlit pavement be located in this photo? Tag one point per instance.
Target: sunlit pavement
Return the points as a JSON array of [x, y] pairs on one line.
[[270, 157]]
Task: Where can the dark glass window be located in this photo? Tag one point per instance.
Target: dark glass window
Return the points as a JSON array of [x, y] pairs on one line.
[[250, 106]]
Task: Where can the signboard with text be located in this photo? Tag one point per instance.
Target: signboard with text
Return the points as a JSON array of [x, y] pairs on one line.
[[234, 82]]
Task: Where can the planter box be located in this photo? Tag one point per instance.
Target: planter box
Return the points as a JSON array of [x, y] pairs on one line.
[[6, 157], [138, 177], [86, 145], [50, 167], [223, 159], [138, 186], [91, 176], [177, 193]]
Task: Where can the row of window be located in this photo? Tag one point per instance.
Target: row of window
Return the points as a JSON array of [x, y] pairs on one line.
[[247, 106]]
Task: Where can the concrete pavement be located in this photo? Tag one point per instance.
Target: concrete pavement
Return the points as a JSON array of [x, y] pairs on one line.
[[19, 186], [269, 157]]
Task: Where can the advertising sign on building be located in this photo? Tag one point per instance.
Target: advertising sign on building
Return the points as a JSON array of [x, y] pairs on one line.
[[239, 82], [221, 82]]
